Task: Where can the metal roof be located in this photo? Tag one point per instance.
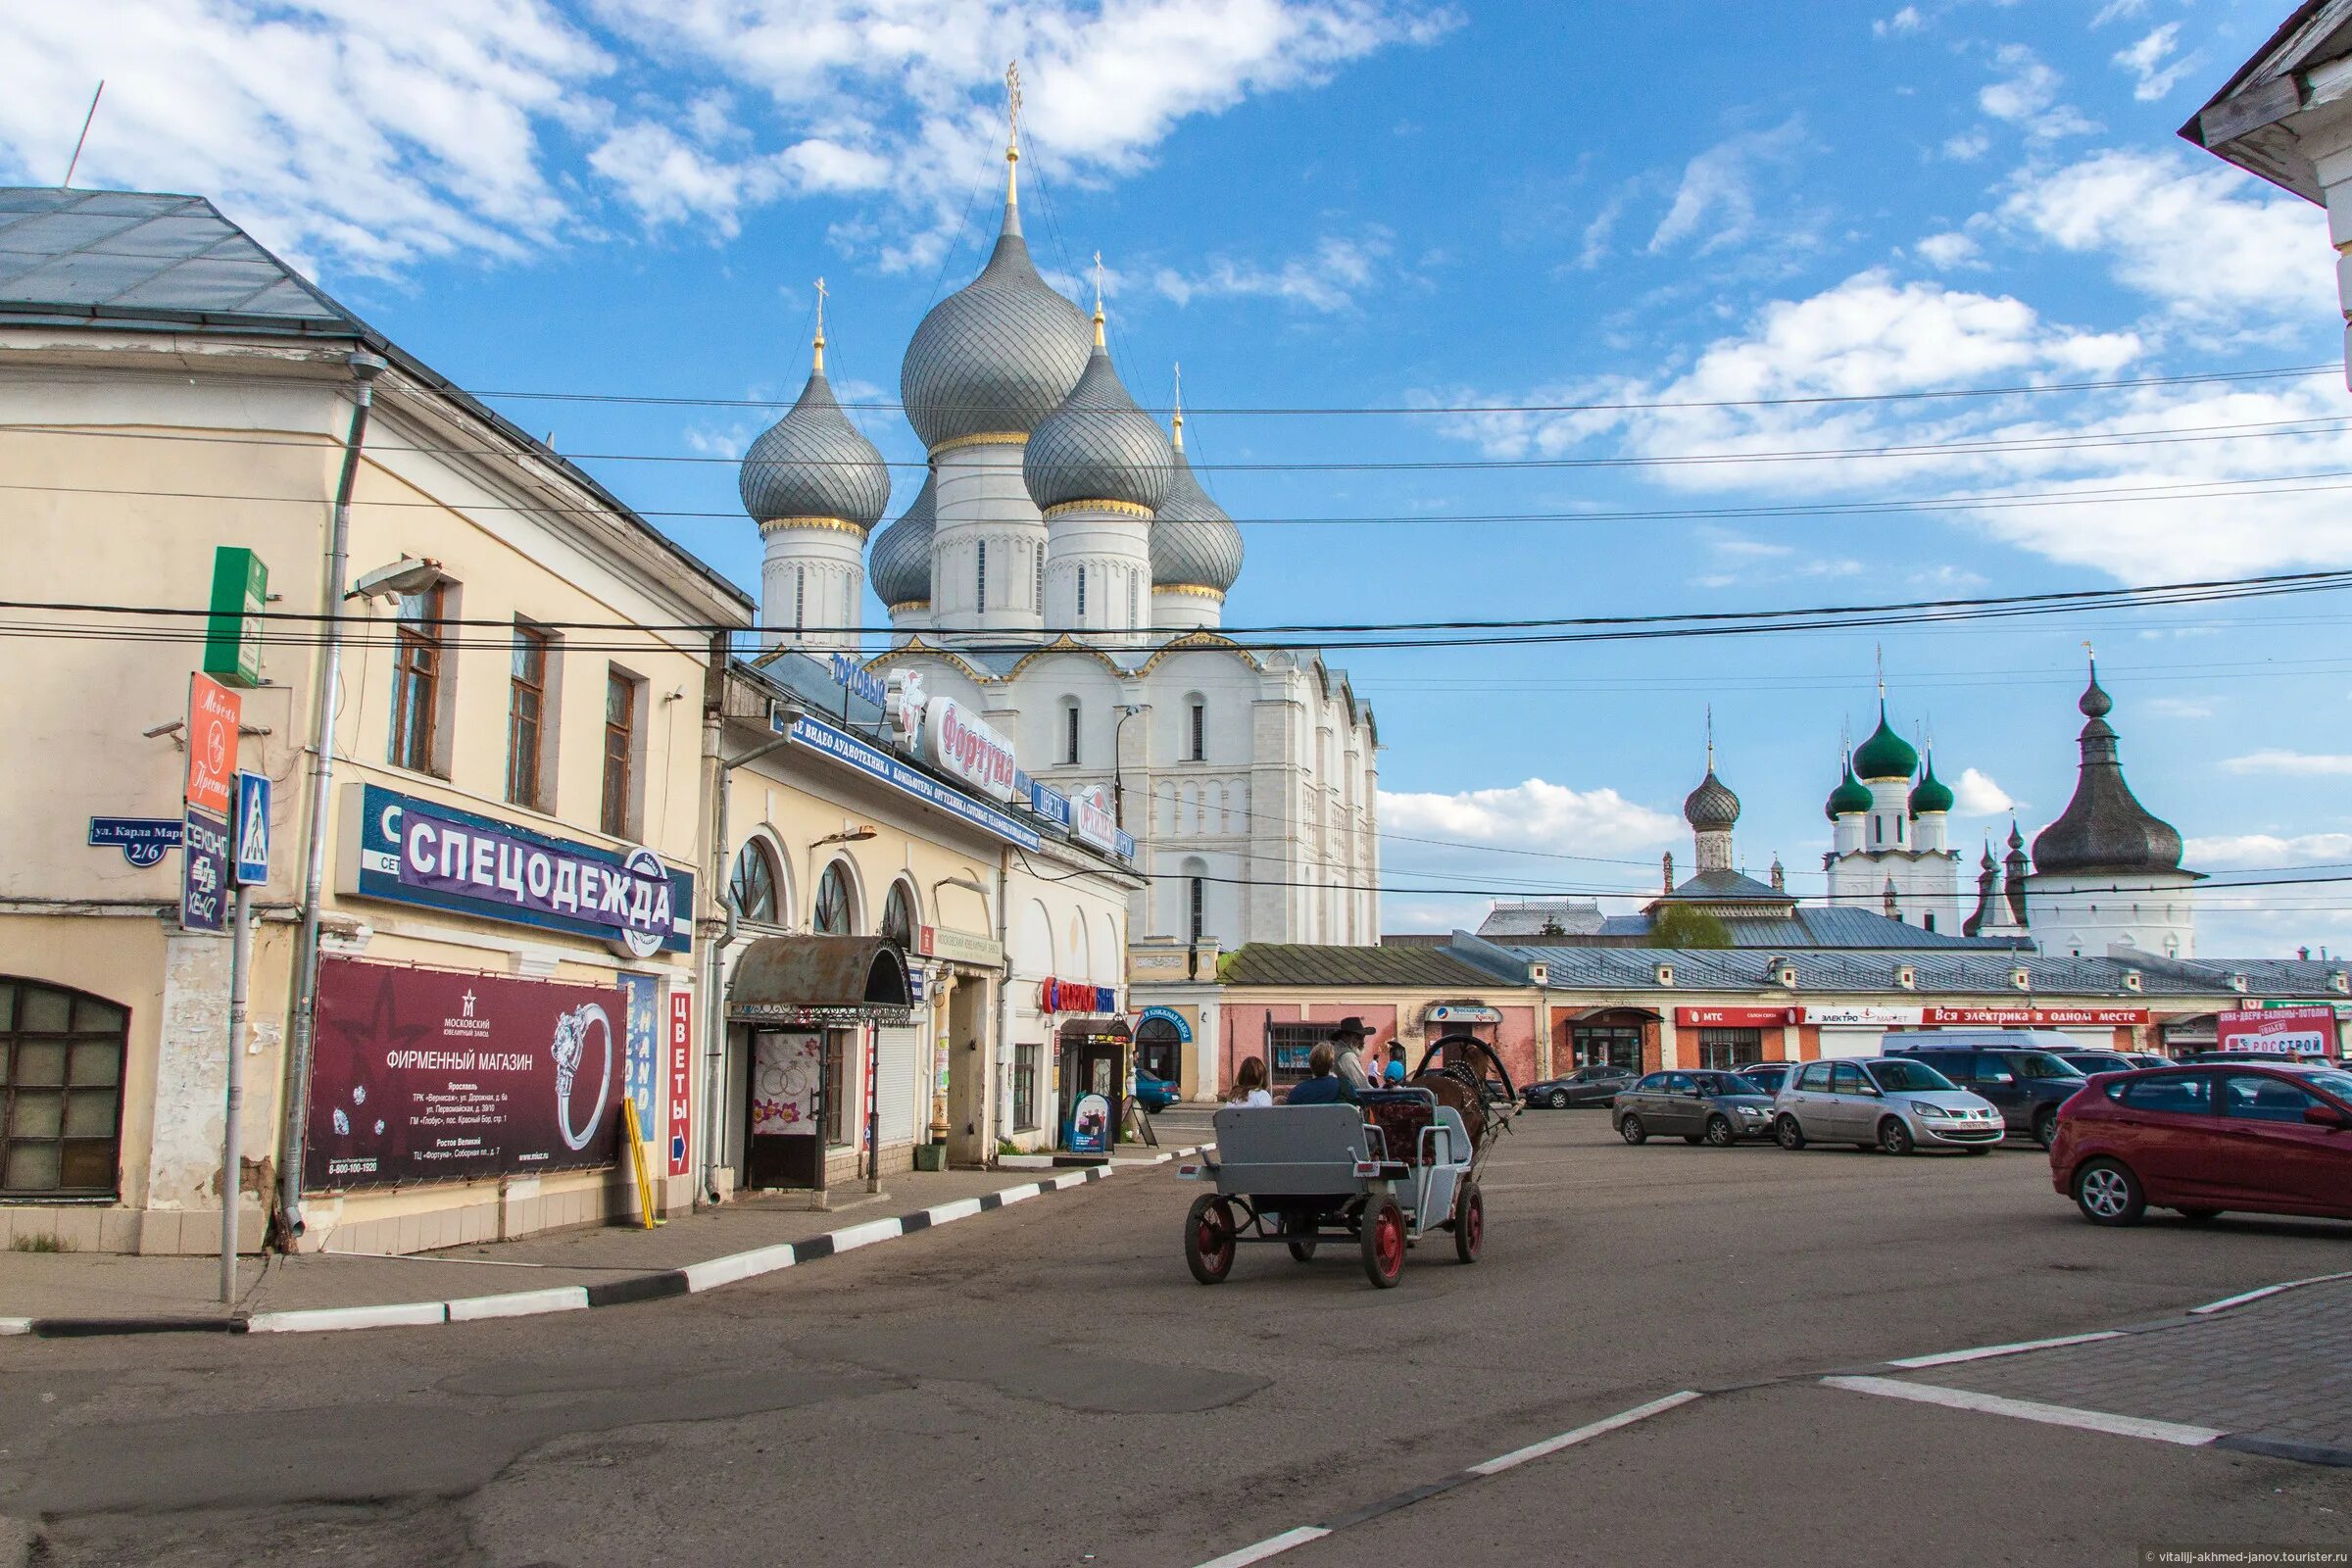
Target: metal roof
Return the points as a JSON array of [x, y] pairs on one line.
[[1296, 963], [143, 261], [1575, 917], [1936, 971], [1810, 926]]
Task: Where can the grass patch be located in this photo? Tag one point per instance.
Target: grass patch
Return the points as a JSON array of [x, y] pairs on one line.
[[39, 1243]]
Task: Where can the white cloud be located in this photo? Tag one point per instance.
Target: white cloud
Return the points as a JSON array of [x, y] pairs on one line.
[[1327, 280], [1967, 147], [1947, 250], [1946, 580], [1718, 187], [1975, 793], [2291, 764], [2181, 706], [1532, 816], [1907, 20], [2240, 851], [2028, 97], [2200, 238], [2117, 10], [2146, 60]]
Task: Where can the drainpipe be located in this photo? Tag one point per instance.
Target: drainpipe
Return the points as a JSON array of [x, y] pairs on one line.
[[988, 1098], [715, 1006], [364, 369]]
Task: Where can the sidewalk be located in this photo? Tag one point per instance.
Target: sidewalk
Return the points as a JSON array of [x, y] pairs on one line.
[[62, 1295]]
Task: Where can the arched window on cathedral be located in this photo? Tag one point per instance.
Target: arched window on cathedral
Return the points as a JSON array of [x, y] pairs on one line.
[[1081, 599], [799, 597], [980, 578]]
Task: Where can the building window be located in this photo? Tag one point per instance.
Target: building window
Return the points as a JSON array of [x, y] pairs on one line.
[[799, 597], [1134, 609], [1928, 921], [620, 753], [1082, 593], [1898, 831], [1877, 830], [1069, 746], [417, 666], [1038, 555], [1606, 1045], [1199, 732], [753, 887], [527, 718], [837, 1086], [832, 916], [897, 916], [1198, 893], [1024, 1087], [1288, 1046], [61, 1103], [1729, 1049], [980, 578]]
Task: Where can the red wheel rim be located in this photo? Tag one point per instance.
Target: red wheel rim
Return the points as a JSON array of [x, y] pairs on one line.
[[1475, 1221], [1213, 1237], [1388, 1241]]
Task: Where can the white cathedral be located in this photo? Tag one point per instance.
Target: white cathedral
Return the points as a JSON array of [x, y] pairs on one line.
[[1063, 572]]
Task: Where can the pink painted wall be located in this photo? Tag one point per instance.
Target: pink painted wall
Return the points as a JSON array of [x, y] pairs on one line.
[[1245, 1028]]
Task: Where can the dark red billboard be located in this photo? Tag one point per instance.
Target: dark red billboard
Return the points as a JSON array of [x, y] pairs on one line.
[[418, 1075]]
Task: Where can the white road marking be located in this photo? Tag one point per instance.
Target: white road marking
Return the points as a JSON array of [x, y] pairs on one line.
[[2241, 1299], [1988, 1352], [1276, 1545], [1271, 1546], [1569, 1440], [2057, 1415]]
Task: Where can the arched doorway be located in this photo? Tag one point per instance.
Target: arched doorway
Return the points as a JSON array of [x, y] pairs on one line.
[[61, 1096], [1158, 1049]]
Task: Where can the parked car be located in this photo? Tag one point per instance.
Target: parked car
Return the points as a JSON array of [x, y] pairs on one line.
[[1896, 1104], [2090, 1064], [1702, 1105], [2245, 1135], [1768, 1076], [2145, 1059], [2269, 1058], [1594, 1085], [2020, 1070], [1156, 1094]]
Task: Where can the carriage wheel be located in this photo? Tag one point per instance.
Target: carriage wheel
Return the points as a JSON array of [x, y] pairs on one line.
[[1469, 1222], [1209, 1239], [1300, 1229], [1384, 1244]]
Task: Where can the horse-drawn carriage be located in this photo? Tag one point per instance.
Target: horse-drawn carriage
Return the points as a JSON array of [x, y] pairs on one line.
[[1382, 1172]]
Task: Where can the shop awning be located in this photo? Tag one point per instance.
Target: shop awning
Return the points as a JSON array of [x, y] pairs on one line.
[[816, 979]]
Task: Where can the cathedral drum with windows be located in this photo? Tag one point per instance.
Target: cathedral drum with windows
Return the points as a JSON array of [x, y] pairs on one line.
[[1062, 572]]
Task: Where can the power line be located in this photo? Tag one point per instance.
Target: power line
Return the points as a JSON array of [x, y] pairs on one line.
[[1442, 410]]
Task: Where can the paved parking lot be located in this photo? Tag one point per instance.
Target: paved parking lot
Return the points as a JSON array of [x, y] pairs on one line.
[[1049, 1385]]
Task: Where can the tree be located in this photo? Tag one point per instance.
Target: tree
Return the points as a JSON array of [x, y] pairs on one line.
[[1682, 925]]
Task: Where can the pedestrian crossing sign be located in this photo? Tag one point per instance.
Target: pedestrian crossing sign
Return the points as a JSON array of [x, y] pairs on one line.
[[252, 827]]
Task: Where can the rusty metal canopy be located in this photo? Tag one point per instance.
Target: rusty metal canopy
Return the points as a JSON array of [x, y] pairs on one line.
[[791, 976]]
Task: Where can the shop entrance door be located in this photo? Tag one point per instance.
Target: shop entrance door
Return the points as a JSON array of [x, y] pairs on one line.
[[786, 1146], [1094, 1093], [1155, 1049]]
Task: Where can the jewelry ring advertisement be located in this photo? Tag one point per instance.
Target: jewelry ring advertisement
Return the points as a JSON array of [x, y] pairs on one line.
[[421, 1075]]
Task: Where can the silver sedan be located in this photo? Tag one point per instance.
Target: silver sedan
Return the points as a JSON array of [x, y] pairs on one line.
[[1896, 1104]]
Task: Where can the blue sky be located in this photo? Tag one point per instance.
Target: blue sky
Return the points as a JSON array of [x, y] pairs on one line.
[[1344, 203]]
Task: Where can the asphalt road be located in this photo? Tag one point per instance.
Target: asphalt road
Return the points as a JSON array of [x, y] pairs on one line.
[[1047, 1386]]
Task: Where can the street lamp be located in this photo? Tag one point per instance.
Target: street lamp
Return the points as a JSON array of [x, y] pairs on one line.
[[1119, 777]]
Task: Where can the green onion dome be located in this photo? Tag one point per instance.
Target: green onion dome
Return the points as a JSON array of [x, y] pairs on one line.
[[1885, 754], [1850, 796], [1932, 793]]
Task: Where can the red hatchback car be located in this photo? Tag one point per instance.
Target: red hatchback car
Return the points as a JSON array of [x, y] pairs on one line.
[[2202, 1140]]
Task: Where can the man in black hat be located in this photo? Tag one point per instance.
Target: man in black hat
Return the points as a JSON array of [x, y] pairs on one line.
[[1348, 1039]]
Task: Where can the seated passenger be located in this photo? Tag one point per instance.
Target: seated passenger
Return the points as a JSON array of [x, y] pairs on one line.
[[1249, 1085], [1320, 1087], [1394, 1073]]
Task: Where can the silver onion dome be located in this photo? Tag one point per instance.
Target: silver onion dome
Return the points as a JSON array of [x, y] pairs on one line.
[[900, 566], [1194, 543], [1712, 806], [997, 354], [1097, 446], [815, 463]]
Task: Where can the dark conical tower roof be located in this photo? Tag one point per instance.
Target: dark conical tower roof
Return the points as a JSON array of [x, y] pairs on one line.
[[2104, 828]]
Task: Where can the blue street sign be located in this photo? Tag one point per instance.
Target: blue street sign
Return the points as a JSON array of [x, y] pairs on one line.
[[143, 840], [253, 829], [204, 873]]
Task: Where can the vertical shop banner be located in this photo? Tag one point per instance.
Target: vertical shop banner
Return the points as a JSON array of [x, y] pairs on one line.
[[644, 1054], [681, 1080], [203, 872], [421, 1075]]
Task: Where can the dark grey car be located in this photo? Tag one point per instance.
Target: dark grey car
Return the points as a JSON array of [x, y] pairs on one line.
[[1700, 1105], [1597, 1083]]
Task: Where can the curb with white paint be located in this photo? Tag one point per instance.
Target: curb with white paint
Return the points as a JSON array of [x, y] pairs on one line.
[[690, 1280]]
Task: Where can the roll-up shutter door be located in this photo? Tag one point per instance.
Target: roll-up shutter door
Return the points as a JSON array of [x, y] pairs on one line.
[[902, 1084]]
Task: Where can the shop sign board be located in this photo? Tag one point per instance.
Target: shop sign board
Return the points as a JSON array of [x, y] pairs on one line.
[[2342, 1010], [1863, 1017], [959, 946], [1071, 995], [2305, 1031], [1091, 821], [1047, 803], [143, 840], [1090, 1125], [2035, 1017], [644, 1051], [1735, 1017], [1169, 1016], [858, 680], [1452, 1013], [204, 873], [414, 851], [680, 1079], [428, 1075], [877, 763], [214, 713], [232, 622], [965, 748]]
